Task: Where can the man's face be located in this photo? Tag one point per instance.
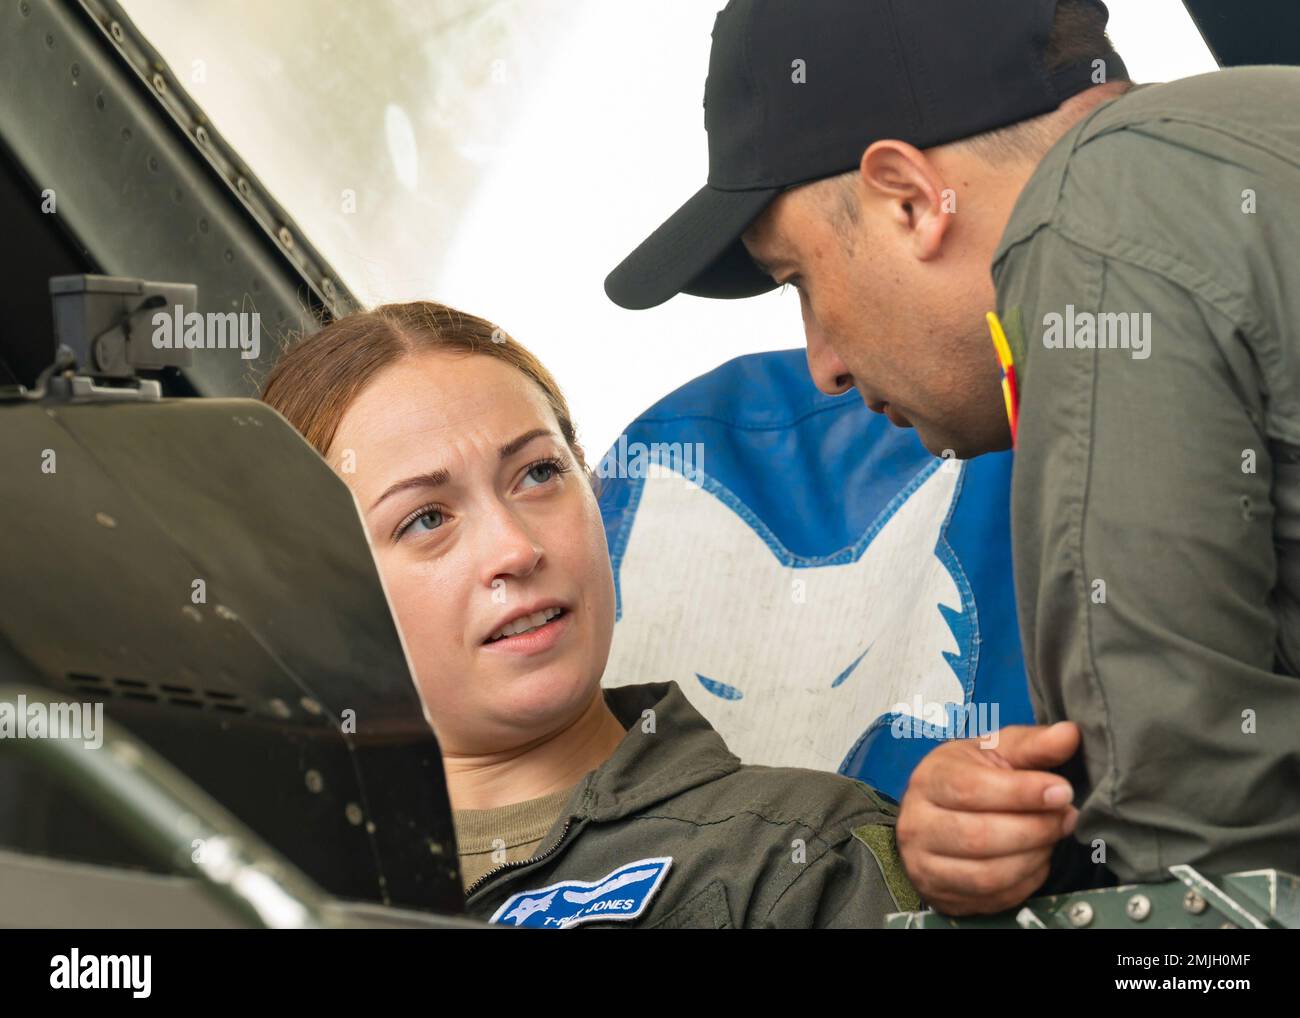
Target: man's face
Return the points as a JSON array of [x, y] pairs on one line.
[[906, 330]]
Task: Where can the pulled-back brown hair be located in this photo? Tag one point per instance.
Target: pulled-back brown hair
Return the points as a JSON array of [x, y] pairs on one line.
[[317, 377]]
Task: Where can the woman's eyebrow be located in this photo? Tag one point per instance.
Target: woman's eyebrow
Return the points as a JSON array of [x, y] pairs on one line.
[[515, 444], [435, 478]]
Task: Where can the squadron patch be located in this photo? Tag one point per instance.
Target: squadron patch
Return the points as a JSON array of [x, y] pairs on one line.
[[623, 894]]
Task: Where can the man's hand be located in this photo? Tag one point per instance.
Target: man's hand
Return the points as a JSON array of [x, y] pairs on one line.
[[977, 826]]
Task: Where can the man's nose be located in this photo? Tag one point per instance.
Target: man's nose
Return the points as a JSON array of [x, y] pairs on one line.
[[830, 374]]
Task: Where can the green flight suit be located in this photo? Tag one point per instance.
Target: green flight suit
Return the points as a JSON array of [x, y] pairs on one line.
[[1156, 490], [749, 846]]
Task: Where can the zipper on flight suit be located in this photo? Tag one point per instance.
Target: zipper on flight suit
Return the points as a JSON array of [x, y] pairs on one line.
[[469, 891]]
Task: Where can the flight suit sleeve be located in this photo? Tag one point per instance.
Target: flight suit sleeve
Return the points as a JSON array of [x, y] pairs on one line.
[[1144, 557], [852, 885]]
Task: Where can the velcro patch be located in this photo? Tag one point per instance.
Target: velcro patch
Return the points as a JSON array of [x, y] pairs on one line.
[[623, 894]]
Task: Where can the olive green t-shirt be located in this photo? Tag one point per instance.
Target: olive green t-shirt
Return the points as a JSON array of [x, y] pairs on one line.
[[488, 838]]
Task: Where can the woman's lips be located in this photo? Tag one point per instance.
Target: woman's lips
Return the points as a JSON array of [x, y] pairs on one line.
[[535, 641]]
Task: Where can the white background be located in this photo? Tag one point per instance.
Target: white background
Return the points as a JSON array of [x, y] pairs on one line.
[[506, 155]]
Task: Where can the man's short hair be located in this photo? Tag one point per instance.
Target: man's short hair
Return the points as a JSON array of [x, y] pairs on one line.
[[1078, 36]]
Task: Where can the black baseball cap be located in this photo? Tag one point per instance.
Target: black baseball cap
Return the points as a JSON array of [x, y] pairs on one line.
[[797, 90]]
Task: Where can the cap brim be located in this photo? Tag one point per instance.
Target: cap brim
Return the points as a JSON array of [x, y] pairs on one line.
[[697, 251]]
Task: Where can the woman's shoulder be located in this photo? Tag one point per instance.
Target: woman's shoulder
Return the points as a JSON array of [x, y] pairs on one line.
[[817, 800]]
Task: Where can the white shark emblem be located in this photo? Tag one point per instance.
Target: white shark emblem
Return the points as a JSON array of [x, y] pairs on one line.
[[790, 661], [528, 906]]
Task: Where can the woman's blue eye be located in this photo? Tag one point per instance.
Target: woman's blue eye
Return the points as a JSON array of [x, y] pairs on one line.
[[429, 520], [547, 468]]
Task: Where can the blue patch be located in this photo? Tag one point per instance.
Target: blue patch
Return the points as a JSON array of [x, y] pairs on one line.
[[623, 894]]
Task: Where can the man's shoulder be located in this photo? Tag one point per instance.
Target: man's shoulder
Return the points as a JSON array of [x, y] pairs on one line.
[[1133, 147], [1159, 174], [1265, 96]]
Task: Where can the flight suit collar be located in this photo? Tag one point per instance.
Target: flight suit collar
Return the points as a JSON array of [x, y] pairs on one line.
[[669, 748], [1037, 201]]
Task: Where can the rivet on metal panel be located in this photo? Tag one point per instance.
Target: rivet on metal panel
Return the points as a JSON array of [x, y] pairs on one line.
[[279, 708], [1138, 907]]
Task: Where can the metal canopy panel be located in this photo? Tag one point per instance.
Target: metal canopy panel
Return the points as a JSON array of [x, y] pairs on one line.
[[143, 187], [1249, 31], [245, 692]]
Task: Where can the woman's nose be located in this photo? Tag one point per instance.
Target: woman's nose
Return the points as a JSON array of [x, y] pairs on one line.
[[509, 547]]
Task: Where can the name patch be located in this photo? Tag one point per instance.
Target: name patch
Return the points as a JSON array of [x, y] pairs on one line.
[[623, 894]]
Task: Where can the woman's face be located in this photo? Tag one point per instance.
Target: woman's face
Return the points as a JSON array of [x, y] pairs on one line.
[[479, 514]]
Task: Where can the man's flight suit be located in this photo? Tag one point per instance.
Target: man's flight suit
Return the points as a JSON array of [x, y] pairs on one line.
[[674, 832], [1156, 492]]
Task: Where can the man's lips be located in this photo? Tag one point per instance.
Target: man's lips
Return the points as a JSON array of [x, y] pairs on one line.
[[896, 418]]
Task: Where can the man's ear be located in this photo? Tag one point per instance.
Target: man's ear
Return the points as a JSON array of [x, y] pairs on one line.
[[907, 183]]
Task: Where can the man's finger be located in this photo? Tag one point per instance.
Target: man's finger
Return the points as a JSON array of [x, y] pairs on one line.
[[1037, 747], [956, 785], [961, 834]]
